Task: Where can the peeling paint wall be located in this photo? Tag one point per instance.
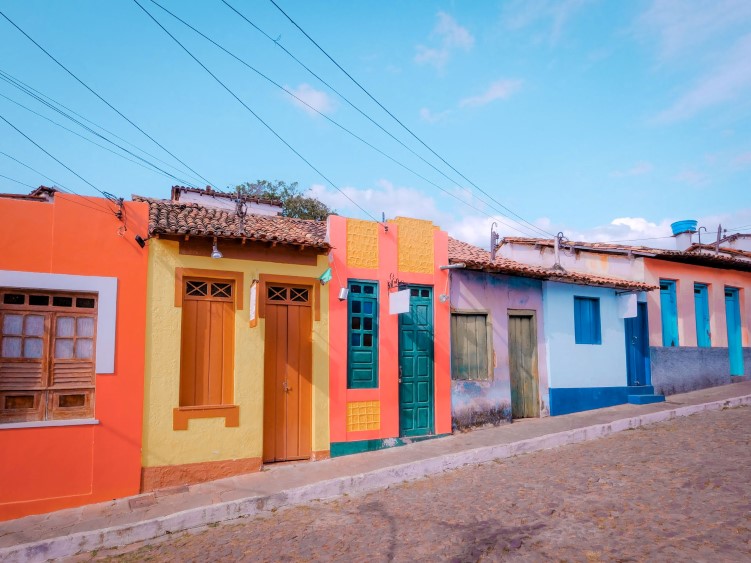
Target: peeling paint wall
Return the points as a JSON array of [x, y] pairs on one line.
[[477, 403]]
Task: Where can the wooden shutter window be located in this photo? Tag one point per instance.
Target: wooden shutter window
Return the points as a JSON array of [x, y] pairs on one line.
[[362, 335], [470, 347], [587, 328], [47, 352]]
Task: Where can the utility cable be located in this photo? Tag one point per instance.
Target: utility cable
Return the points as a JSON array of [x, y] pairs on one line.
[[17, 181], [61, 65], [358, 110], [329, 119], [407, 129], [271, 129], [45, 99]]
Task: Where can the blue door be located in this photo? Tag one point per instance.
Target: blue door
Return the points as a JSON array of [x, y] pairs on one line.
[[416, 402], [733, 318], [701, 308], [637, 348], [669, 313]]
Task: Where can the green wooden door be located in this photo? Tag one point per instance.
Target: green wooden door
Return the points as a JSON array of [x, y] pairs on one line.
[[416, 403], [522, 355]]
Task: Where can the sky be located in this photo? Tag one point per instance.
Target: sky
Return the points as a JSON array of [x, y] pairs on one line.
[[603, 120]]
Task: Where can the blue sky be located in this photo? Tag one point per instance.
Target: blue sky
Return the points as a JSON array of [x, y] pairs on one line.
[[602, 119]]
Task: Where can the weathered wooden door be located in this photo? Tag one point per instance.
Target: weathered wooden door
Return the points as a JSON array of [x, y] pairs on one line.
[[669, 313], [416, 403], [637, 348], [733, 321], [288, 369], [522, 347], [701, 309]]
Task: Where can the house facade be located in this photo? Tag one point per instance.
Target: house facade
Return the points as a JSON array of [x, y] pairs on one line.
[[237, 369], [389, 366], [529, 341], [72, 315], [695, 330]]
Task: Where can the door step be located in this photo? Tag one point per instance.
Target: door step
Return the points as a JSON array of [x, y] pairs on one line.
[[641, 390], [645, 399]]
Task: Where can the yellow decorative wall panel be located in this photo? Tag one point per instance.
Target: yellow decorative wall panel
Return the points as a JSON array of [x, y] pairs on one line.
[[362, 244], [363, 415], [415, 245]]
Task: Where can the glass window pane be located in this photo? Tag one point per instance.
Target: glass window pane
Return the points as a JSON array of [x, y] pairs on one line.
[[356, 306], [355, 339], [11, 347], [62, 301], [425, 292], [41, 300], [65, 327], [84, 326], [355, 323], [368, 323], [34, 325], [367, 307], [12, 324], [85, 302], [355, 288], [367, 339], [414, 292], [14, 299], [63, 348], [84, 348], [368, 289], [32, 348]]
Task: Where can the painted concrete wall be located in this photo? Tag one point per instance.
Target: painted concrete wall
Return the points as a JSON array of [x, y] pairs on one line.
[[412, 250], [583, 365], [45, 467], [481, 402], [208, 440]]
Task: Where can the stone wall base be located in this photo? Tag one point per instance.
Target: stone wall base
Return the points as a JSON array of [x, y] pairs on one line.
[[153, 478]]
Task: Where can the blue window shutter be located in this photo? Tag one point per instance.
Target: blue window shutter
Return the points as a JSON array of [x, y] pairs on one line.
[[587, 324], [362, 335]]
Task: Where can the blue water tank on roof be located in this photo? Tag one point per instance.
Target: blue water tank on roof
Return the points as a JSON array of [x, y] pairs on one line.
[[685, 226]]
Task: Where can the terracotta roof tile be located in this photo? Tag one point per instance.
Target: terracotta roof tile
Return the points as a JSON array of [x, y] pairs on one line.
[[179, 218], [478, 259]]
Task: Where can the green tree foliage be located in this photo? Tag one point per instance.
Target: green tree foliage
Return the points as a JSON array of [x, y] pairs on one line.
[[294, 202]]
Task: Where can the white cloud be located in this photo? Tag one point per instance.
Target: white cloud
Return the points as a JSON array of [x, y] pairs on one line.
[[498, 90], [555, 13], [743, 159], [450, 37], [691, 177], [638, 169], [433, 117], [316, 99]]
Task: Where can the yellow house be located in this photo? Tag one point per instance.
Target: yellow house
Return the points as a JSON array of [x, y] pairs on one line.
[[237, 370]]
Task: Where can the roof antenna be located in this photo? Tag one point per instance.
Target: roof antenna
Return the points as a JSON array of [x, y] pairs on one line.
[[719, 236], [494, 237], [383, 221], [557, 247]]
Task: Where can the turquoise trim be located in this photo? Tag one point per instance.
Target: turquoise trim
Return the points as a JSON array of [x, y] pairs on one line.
[[347, 448]]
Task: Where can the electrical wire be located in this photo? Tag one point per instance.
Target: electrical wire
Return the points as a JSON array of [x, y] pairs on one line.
[[407, 129], [151, 167], [17, 181], [271, 129], [61, 65], [366, 116], [46, 100], [332, 121]]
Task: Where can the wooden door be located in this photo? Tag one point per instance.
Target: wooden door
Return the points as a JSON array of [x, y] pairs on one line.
[[416, 402], [733, 322], [288, 369], [669, 313], [701, 310], [637, 347], [522, 344]]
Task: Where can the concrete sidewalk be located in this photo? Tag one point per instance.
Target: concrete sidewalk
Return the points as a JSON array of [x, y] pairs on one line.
[[143, 517]]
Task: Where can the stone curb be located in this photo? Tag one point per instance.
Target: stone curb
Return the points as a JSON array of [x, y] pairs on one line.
[[66, 546]]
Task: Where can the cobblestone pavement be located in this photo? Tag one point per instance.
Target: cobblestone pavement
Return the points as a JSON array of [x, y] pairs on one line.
[[676, 491]]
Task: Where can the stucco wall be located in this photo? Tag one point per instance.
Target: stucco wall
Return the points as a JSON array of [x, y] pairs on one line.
[[208, 440], [683, 369], [582, 365], [480, 402]]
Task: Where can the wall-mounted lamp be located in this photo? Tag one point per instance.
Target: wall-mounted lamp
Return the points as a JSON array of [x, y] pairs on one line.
[[443, 298], [141, 241], [325, 277], [343, 293], [215, 251]]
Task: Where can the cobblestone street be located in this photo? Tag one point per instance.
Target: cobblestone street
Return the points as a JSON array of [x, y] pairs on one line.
[[670, 492]]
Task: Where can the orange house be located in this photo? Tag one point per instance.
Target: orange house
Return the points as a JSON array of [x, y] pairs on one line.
[[389, 367], [72, 330]]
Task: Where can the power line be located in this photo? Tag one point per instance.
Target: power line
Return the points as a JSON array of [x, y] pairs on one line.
[[47, 100], [407, 129], [277, 135], [61, 65], [365, 115], [17, 181], [323, 115], [151, 167]]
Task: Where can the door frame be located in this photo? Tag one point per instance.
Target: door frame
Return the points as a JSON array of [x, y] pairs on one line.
[[643, 329], [526, 313], [431, 431]]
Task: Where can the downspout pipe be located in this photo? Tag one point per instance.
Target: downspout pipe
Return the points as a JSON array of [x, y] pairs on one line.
[[459, 266]]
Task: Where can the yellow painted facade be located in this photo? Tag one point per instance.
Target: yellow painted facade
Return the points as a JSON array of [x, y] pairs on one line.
[[362, 244], [363, 415], [415, 245], [208, 439]]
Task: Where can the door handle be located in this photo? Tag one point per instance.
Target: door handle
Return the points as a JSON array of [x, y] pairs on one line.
[[285, 387]]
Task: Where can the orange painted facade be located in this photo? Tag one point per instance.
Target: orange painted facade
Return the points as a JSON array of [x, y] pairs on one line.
[[413, 252], [685, 275], [55, 464]]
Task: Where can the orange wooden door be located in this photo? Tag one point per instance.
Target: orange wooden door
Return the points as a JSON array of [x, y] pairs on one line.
[[288, 369]]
